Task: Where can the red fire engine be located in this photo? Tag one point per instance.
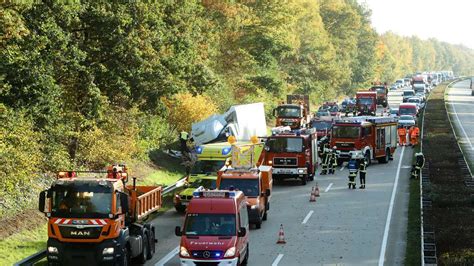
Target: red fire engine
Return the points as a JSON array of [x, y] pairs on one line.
[[293, 154], [365, 136]]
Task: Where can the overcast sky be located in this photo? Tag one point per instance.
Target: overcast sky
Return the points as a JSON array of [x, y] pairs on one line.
[[446, 20]]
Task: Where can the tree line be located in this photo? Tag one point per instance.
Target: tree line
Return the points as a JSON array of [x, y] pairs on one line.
[[86, 84]]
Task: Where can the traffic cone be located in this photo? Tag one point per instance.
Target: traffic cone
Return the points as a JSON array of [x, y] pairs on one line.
[[316, 191], [281, 236], [312, 198]]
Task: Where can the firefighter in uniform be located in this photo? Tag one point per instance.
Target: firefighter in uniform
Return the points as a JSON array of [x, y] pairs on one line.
[[333, 161], [419, 164], [402, 136], [362, 172], [326, 159], [353, 168], [329, 162]]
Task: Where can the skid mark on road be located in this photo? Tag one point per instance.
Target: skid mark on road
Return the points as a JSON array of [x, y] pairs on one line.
[[277, 260]]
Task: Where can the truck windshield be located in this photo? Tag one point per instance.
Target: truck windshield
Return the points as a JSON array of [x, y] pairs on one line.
[[87, 200], [347, 132], [365, 101], [380, 91], [407, 111], [284, 145], [289, 111], [206, 224], [321, 125], [206, 183], [250, 187], [207, 167]]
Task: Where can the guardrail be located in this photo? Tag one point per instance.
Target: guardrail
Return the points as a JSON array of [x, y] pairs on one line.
[[31, 260]]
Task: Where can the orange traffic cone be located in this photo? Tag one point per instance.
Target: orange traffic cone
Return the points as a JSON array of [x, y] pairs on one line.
[[316, 191], [281, 236], [312, 198]]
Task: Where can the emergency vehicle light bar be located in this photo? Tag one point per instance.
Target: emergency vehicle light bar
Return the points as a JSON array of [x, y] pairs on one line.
[[214, 194]]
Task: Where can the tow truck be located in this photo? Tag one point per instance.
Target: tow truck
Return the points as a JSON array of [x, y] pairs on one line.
[[365, 136], [94, 218], [292, 154], [255, 182]]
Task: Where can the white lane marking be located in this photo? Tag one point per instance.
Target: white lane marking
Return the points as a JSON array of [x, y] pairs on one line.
[[168, 256], [460, 124], [406, 166], [390, 209], [328, 188], [342, 168], [307, 217], [277, 260]]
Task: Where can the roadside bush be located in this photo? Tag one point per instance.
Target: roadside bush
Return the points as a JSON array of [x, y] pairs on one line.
[[155, 133], [185, 109], [20, 157]]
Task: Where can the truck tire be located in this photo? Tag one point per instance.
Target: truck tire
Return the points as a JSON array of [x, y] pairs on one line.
[[258, 224], [125, 260], [386, 158], [304, 180], [152, 246], [246, 258], [142, 258], [180, 208]]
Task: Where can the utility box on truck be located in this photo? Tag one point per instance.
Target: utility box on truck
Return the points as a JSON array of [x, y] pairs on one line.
[[95, 219]]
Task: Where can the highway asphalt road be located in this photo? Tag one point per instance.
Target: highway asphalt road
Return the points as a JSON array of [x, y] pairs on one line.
[[350, 227], [461, 110]]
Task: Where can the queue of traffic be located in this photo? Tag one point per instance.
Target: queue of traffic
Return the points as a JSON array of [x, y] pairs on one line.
[[232, 165]]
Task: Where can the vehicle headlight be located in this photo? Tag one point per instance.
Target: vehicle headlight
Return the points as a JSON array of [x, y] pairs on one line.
[[300, 171], [230, 252], [108, 251], [270, 162], [183, 252], [53, 250], [253, 207]]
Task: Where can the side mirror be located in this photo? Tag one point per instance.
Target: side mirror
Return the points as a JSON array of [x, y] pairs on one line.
[[177, 231], [242, 232], [42, 199], [267, 192], [274, 112], [124, 202]]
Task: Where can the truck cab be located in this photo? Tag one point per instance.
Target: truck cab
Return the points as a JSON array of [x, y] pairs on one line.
[[408, 109], [255, 183], [215, 229], [94, 218], [295, 113], [365, 136], [292, 154], [366, 102], [381, 91]]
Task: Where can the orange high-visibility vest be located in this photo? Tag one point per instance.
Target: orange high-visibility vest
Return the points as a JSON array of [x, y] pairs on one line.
[[402, 131]]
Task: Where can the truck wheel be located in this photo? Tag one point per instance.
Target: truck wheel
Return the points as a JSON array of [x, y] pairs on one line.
[[180, 208], [340, 162], [152, 246], [303, 180], [143, 256], [125, 257], [246, 258], [258, 225], [386, 158]]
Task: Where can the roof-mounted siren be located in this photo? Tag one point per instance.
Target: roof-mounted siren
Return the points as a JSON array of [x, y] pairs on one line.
[[281, 129], [66, 174], [118, 171]]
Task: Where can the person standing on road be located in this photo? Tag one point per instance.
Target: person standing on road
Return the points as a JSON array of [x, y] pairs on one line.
[[330, 166], [334, 160], [353, 167], [402, 136], [326, 160], [410, 132], [362, 172], [415, 133]]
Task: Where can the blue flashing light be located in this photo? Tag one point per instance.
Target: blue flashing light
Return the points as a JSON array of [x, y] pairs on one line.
[[198, 149], [226, 150]]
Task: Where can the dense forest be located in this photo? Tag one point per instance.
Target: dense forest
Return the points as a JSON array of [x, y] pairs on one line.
[[86, 84]]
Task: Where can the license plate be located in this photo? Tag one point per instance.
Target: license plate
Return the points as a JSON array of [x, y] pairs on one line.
[[185, 203]]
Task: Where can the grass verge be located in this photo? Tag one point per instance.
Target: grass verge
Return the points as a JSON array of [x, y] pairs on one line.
[[22, 244]]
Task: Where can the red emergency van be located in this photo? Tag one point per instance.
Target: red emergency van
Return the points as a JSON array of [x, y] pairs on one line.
[[216, 229]]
